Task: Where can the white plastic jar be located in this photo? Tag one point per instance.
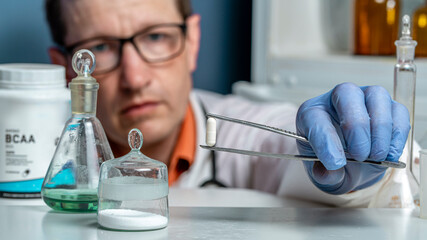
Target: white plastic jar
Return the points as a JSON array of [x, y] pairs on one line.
[[34, 106]]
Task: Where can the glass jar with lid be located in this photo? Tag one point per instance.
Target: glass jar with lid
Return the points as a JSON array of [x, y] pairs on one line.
[[133, 190]]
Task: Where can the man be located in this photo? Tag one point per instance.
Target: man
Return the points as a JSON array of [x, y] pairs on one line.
[[146, 51]]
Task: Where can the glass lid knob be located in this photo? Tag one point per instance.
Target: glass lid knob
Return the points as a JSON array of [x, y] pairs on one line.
[[135, 139], [83, 62]]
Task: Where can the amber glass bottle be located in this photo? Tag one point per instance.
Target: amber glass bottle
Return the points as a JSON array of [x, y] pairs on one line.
[[420, 30], [376, 26]]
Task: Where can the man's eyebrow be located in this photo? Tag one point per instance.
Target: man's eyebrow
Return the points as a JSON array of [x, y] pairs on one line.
[[142, 29]]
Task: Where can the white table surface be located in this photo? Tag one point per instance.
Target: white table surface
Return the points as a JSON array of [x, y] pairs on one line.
[[206, 197], [21, 220]]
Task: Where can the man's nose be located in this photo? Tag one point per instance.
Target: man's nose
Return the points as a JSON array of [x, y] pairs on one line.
[[135, 72]]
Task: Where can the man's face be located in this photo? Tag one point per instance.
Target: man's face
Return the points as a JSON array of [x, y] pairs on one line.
[[151, 97]]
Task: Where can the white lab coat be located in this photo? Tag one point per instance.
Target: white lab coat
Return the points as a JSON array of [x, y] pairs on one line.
[[285, 178]]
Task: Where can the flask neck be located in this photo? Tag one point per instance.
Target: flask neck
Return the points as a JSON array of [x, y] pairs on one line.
[[83, 97], [82, 115], [405, 50], [405, 55]]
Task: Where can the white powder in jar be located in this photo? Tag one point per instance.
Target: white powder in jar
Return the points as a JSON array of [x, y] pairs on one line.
[[127, 219]]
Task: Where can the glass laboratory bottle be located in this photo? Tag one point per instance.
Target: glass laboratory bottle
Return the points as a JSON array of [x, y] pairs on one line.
[[420, 30], [71, 182], [376, 26], [133, 190], [400, 189]]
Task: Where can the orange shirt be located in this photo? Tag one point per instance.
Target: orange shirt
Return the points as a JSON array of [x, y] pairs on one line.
[[185, 148]]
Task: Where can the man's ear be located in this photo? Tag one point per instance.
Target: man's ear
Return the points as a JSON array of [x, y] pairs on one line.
[[193, 40], [58, 57]]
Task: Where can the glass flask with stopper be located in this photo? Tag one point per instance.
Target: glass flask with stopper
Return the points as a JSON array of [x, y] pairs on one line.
[[400, 188], [133, 190], [71, 182]]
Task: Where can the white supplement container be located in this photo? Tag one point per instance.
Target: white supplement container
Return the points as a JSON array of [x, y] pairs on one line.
[[34, 106]]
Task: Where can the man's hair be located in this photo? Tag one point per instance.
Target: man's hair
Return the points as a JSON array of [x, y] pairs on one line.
[[57, 25]]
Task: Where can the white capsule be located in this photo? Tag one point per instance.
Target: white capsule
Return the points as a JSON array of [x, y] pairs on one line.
[[211, 132]]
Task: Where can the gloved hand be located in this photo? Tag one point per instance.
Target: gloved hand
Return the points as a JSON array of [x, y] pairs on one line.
[[364, 121]]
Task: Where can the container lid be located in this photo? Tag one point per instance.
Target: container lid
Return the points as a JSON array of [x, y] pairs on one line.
[[135, 140], [30, 76], [135, 164]]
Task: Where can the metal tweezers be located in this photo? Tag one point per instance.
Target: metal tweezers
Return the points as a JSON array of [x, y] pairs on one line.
[[286, 156]]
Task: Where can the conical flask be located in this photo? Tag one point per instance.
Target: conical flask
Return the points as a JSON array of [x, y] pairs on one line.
[[133, 190], [71, 182]]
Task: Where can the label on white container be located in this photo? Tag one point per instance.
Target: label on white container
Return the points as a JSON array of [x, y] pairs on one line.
[[28, 141], [27, 152]]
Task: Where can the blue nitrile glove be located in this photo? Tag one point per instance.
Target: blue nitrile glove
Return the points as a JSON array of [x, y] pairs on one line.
[[364, 121]]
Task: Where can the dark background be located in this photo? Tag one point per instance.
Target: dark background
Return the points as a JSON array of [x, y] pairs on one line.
[[225, 53]]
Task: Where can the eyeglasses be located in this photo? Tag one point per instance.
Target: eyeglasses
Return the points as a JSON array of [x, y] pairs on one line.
[[154, 44]]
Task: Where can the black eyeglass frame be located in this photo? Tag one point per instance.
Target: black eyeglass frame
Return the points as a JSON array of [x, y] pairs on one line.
[[69, 50]]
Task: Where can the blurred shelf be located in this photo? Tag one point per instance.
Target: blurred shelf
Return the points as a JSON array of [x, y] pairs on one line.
[[296, 78], [327, 70]]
